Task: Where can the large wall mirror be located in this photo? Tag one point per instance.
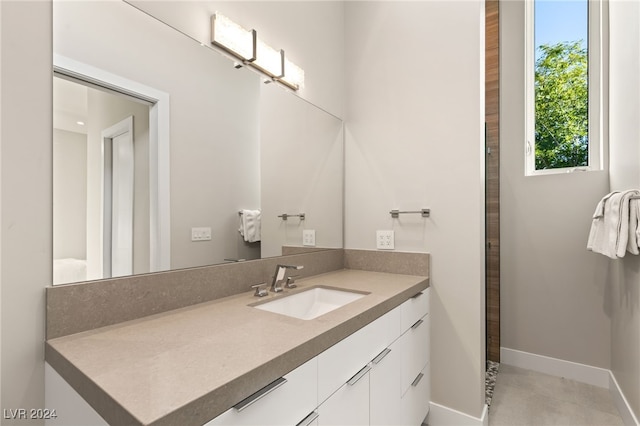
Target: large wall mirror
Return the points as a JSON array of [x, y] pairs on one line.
[[160, 145]]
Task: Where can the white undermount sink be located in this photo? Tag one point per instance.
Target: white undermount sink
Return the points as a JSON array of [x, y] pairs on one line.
[[311, 303]]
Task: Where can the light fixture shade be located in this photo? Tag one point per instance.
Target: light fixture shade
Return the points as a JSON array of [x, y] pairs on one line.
[[293, 75], [233, 38], [269, 60]]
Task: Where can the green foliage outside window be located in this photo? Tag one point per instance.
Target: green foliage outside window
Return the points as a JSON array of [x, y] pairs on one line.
[[561, 106]]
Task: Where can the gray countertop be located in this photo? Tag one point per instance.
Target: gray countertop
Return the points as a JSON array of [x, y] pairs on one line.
[[189, 365]]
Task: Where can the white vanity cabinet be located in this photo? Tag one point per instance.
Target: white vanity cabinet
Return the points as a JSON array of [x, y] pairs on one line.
[[286, 401], [379, 375], [391, 387]]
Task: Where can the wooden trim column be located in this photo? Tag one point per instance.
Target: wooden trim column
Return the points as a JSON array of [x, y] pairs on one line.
[[492, 118]]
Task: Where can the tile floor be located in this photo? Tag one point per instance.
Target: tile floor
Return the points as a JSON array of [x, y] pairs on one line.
[[524, 397]]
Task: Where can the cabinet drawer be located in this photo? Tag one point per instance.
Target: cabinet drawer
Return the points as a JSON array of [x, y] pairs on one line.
[[414, 349], [340, 362], [414, 309], [287, 404], [415, 403]]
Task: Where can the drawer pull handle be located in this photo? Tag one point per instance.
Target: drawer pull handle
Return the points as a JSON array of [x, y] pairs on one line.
[[359, 375], [309, 419], [417, 380], [381, 356], [260, 394], [415, 296], [417, 324]]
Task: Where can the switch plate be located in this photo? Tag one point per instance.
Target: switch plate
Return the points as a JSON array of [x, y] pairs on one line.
[[385, 240], [309, 237], [201, 234]]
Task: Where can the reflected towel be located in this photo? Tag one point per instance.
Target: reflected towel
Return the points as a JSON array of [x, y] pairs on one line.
[[250, 225]]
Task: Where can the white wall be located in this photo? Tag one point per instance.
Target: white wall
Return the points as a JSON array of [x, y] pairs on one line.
[[414, 139], [25, 200], [553, 297], [624, 142], [69, 195]]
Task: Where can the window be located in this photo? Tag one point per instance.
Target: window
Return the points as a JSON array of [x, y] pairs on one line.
[[564, 125]]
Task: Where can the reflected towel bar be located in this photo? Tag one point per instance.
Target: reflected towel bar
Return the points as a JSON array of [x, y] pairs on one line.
[[285, 216], [423, 212]]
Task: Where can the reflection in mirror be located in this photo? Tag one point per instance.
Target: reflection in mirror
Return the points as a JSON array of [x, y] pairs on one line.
[[101, 185], [232, 144]]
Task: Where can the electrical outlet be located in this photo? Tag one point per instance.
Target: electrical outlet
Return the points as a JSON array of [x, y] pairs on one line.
[[309, 237], [385, 240], [201, 234]]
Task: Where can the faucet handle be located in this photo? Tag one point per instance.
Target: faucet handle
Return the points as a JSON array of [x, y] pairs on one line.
[[261, 289], [291, 281]]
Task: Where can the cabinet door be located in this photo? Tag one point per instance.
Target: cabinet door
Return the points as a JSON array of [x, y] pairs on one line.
[[287, 404], [385, 389], [349, 405], [338, 363], [415, 351], [415, 403]]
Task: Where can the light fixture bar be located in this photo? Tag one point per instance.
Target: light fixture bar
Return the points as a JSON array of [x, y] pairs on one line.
[[293, 75], [250, 50]]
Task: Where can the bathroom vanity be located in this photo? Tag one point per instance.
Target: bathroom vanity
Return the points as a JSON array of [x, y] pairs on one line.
[[226, 362]]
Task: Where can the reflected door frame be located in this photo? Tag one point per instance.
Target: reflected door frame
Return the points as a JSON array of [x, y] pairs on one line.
[[117, 199], [159, 149]]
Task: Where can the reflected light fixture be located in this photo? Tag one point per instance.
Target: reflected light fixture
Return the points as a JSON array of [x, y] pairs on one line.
[[245, 45], [232, 38]]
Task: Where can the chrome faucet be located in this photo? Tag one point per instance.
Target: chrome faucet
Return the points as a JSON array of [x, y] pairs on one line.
[[278, 278]]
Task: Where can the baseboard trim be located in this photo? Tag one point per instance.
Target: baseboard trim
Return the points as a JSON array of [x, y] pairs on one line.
[[628, 417], [579, 372], [439, 415], [556, 367]]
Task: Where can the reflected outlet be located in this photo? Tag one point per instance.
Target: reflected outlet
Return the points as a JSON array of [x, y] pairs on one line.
[[309, 237], [201, 234]]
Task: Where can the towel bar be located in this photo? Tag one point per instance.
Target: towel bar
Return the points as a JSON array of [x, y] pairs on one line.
[[423, 212]]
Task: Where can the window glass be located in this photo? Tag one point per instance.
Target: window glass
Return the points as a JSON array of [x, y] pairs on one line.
[[561, 84]]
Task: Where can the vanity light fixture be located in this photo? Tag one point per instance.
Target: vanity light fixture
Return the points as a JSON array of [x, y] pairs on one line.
[[245, 45], [233, 38], [293, 75], [269, 60]]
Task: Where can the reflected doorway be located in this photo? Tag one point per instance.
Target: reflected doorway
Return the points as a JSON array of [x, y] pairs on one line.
[[101, 183]]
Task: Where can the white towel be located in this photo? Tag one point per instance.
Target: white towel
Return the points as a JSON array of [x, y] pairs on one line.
[[250, 225], [634, 226], [597, 234], [610, 229]]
